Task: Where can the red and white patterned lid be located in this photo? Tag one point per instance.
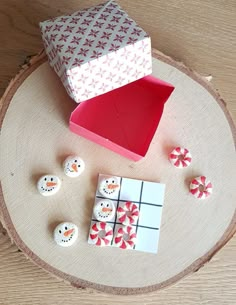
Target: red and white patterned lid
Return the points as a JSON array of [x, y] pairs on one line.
[[91, 33]]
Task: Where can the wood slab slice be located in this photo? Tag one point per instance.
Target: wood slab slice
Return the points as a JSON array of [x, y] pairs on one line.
[[35, 139]]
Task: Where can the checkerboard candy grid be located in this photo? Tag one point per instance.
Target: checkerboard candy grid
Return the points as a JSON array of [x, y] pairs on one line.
[[149, 197]]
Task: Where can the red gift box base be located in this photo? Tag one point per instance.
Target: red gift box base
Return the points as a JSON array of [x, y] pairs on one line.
[[123, 120]]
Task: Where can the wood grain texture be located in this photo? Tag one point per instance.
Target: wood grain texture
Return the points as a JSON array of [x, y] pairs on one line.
[[203, 36], [29, 217]]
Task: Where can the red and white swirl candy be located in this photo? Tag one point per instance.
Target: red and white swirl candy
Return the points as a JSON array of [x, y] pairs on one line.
[[200, 187], [101, 234], [128, 214], [125, 237], [180, 157]]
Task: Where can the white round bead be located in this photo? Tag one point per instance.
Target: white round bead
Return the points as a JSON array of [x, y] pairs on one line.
[[104, 210], [48, 185], [109, 187], [65, 234], [73, 166]]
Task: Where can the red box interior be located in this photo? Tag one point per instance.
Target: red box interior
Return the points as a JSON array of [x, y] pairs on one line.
[[125, 119]]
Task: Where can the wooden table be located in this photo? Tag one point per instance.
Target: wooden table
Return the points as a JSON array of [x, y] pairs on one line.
[[202, 35]]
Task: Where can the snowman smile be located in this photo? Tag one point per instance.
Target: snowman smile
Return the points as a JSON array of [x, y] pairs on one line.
[[73, 168], [47, 189], [67, 240], [70, 170], [104, 215], [108, 191]]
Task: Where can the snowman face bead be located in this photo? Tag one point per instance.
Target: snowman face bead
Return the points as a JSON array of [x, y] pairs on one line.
[[73, 166], [104, 210], [109, 187], [48, 185], [65, 234]]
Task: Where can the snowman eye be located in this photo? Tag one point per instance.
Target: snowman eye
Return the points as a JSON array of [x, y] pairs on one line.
[[76, 161], [65, 228], [60, 231], [79, 165], [51, 179], [45, 179], [108, 205], [102, 204], [107, 181], [113, 181]]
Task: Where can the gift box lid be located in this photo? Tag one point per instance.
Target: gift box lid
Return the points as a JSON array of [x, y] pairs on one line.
[[92, 33], [75, 45]]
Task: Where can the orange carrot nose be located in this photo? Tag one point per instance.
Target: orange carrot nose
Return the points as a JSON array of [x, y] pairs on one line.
[[74, 167], [51, 184], [112, 186], [68, 232], [106, 210]]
